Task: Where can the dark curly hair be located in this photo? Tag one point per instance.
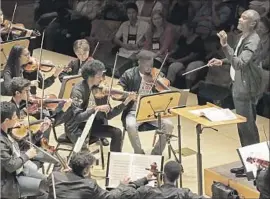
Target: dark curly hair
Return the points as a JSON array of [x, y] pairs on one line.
[[80, 161], [91, 68]]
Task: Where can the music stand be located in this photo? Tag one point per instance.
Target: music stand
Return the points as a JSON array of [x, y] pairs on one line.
[[156, 106]]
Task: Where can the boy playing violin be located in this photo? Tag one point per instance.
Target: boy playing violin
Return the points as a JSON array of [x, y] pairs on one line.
[[135, 80], [19, 176], [81, 49], [92, 73], [20, 92]]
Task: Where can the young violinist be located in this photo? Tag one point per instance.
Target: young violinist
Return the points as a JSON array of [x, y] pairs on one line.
[[19, 176], [137, 79], [18, 59], [81, 49], [92, 73], [20, 92], [79, 183]]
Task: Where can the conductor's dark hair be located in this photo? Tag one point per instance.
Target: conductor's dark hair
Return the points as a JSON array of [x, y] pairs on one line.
[[18, 84], [132, 6], [91, 68], [80, 161], [172, 170], [7, 110]]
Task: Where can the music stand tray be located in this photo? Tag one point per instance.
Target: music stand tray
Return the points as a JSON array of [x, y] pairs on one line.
[[149, 107]]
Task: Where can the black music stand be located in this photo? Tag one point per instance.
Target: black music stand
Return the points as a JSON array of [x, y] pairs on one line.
[[157, 106]]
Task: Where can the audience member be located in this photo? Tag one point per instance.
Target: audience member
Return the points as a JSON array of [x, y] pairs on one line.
[[261, 6], [130, 34], [187, 56], [147, 7], [160, 36], [179, 12]]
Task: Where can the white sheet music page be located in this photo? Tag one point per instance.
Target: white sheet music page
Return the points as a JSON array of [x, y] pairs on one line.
[[215, 114], [131, 165], [119, 167]]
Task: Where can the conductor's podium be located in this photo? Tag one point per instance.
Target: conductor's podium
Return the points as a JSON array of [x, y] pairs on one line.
[[222, 174]]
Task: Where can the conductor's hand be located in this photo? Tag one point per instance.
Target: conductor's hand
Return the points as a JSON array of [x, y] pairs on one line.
[[215, 62], [222, 37], [103, 108], [131, 97], [31, 153]]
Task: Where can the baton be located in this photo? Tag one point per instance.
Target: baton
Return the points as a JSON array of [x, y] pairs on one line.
[[191, 71]]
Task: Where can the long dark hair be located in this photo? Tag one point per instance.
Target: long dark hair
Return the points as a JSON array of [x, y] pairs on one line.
[[13, 62]]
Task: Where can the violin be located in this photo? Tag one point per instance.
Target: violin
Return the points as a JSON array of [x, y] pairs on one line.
[[161, 83], [101, 91], [50, 102], [260, 162], [21, 131], [18, 28], [33, 65], [155, 171]]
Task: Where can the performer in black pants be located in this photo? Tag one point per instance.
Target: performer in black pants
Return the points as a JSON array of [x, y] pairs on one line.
[[86, 103], [246, 75]]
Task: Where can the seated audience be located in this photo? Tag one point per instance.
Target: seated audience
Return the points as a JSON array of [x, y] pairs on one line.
[[159, 37], [222, 15], [188, 55], [261, 6], [179, 12], [129, 35], [147, 7], [79, 184]]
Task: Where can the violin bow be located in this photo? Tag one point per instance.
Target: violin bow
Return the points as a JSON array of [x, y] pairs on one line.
[[42, 96], [53, 186], [41, 46], [163, 63], [12, 19], [43, 151], [40, 53], [28, 118], [95, 49], [113, 73]]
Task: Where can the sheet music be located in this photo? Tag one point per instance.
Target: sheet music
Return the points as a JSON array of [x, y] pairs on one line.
[[131, 165], [215, 114], [119, 168], [260, 151]]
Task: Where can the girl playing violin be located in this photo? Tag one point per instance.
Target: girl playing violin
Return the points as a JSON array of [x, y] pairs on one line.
[[17, 61]]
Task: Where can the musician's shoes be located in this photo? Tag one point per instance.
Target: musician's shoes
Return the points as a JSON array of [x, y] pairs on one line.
[[239, 170], [105, 142]]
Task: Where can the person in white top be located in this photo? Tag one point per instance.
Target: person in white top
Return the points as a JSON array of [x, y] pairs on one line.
[[130, 34], [246, 75]]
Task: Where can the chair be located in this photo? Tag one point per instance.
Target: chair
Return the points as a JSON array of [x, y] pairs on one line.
[[65, 91]]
